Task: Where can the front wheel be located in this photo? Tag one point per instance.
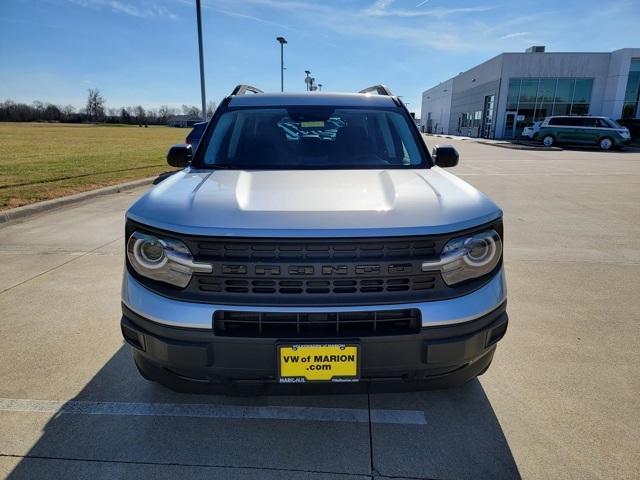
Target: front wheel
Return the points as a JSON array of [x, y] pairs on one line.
[[548, 140], [606, 143]]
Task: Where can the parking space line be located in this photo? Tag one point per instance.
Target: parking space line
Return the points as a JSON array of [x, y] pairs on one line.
[[318, 414]]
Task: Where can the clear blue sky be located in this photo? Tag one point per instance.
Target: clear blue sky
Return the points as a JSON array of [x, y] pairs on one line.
[[145, 51]]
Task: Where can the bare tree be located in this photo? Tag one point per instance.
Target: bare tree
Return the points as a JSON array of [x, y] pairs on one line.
[[67, 111], [124, 115], [152, 116], [190, 110], [140, 114], [163, 113], [95, 105], [211, 108], [52, 113], [38, 106]]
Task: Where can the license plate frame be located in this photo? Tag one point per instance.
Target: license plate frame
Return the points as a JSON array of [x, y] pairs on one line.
[[347, 370]]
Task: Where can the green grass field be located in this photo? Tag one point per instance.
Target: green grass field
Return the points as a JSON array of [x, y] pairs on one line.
[[39, 161]]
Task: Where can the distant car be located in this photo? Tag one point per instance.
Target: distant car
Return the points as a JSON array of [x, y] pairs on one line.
[[195, 135], [587, 130], [531, 131]]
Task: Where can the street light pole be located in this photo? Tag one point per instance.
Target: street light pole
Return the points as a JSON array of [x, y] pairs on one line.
[[282, 41], [202, 91]]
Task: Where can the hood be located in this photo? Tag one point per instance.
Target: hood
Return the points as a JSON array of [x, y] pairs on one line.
[[313, 203]]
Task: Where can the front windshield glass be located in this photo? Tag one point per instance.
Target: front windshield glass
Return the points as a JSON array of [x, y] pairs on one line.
[[613, 123], [312, 137]]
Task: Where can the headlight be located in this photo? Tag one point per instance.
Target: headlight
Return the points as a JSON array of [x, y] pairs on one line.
[[163, 259], [468, 257]]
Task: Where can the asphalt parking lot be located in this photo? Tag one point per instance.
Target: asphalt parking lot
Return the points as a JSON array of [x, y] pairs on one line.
[[561, 400]]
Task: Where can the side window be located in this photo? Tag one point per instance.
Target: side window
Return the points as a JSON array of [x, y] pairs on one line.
[[602, 123], [576, 122]]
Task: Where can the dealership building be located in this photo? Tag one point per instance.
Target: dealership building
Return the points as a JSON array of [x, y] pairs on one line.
[[501, 96]]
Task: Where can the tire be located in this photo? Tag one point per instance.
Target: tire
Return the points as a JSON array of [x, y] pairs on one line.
[[606, 143], [548, 140]]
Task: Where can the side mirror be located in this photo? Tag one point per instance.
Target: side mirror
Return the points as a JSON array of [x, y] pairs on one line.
[[179, 155], [445, 156]]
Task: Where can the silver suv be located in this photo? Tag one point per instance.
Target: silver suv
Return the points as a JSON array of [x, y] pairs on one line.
[[312, 238]]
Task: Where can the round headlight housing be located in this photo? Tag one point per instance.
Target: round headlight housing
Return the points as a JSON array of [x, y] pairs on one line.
[[163, 259], [149, 252], [468, 257], [481, 250]]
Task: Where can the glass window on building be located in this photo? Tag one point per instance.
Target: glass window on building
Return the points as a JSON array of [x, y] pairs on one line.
[[533, 99], [528, 90], [514, 94], [477, 118], [631, 107], [564, 90], [561, 108], [487, 117]]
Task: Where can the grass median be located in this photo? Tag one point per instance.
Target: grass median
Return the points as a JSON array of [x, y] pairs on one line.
[[40, 161]]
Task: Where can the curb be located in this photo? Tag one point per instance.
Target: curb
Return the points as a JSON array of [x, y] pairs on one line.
[[46, 205], [517, 146]]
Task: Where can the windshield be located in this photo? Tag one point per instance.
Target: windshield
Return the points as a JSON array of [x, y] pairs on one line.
[[312, 137], [613, 123]]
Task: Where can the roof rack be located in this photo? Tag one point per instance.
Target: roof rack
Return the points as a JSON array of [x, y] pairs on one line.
[[242, 89], [379, 89]]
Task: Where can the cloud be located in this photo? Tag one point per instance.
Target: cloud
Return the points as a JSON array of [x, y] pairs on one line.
[[380, 8], [139, 9], [458, 29], [514, 35]]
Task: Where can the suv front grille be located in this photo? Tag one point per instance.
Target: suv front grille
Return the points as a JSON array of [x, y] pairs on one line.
[[301, 325], [317, 271], [314, 271], [316, 286], [317, 249]]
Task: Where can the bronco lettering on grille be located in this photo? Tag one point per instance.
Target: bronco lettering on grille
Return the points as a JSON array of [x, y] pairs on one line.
[[267, 270], [364, 269], [335, 270], [234, 269], [301, 270]]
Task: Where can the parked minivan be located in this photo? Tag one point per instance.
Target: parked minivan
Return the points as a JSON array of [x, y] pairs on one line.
[[600, 131]]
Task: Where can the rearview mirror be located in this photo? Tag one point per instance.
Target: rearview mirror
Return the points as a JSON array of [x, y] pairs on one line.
[[445, 156], [179, 155]]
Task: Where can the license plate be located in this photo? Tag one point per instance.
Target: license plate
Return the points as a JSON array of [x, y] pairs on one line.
[[318, 363]]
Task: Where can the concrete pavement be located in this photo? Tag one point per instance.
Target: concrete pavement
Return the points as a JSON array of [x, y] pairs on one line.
[[561, 399]]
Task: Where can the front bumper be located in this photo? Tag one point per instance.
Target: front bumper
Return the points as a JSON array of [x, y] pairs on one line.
[[446, 355], [174, 341]]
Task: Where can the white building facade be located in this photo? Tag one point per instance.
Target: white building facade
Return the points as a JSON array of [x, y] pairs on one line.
[[501, 96]]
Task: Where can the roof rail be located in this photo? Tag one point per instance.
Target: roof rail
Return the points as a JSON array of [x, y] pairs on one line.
[[379, 89], [242, 89]]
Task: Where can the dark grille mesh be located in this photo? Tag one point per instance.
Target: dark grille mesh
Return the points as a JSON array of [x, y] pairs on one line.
[[300, 325]]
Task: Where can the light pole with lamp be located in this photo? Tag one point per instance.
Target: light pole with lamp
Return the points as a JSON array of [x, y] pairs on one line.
[[308, 79], [282, 41], [200, 48]]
